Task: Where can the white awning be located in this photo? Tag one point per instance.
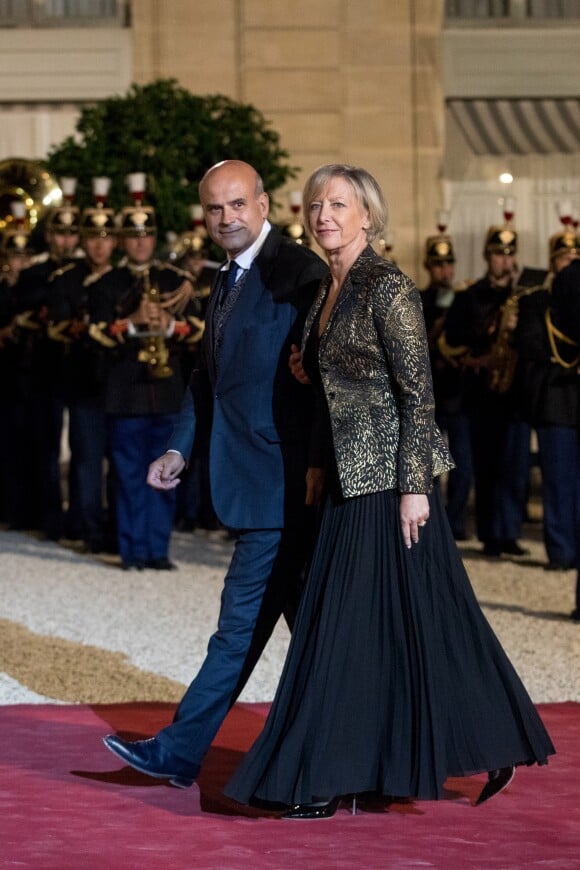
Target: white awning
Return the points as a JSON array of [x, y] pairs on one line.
[[519, 126]]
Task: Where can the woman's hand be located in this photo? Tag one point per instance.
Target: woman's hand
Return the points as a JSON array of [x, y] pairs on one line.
[[295, 363], [314, 485], [413, 514]]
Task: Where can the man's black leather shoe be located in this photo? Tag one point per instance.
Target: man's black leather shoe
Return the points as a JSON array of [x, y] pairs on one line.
[[492, 548], [161, 565], [509, 548], [150, 757], [512, 548]]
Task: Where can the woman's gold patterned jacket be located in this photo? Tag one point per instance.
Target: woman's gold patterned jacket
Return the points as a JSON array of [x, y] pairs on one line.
[[374, 366]]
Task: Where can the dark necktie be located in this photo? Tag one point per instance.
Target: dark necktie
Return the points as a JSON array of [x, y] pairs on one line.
[[229, 281], [229, 292]]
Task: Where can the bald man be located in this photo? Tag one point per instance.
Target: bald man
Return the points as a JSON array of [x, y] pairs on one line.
[[258, 419]]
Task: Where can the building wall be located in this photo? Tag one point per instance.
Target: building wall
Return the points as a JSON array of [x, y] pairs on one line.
[[340, 81]]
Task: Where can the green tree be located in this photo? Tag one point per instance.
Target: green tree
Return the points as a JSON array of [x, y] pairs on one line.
[[173, 136]]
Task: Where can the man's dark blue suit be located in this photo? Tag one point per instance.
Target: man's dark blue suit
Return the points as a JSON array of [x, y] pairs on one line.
[[258, 419]]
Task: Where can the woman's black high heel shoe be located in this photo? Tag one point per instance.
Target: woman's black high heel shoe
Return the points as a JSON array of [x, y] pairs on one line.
[[322, 810], [497, 781]]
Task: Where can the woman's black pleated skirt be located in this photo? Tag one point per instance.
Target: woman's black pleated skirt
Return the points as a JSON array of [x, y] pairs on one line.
[[394, 679]]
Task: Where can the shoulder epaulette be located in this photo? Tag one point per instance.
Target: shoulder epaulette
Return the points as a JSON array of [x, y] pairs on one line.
[[60, 271], [93, 277], [181, 272], [39, 258]]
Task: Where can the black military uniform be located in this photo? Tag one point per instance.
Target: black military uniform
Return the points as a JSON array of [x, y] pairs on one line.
[[448, 384], [566, 318], [15, 248], [499, 436], [83, 382], [37, 491], [549, 386], [144, 388]]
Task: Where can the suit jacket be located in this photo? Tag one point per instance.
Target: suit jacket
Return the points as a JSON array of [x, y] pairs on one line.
[[254, 414], [374, 367]]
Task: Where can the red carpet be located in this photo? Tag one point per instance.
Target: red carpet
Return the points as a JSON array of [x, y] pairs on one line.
[[66, 803]]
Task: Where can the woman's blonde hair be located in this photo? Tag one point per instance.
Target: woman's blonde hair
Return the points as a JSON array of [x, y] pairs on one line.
[[365, 187]]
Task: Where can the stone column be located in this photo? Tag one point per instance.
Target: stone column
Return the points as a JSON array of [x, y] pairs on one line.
[[356, 82]]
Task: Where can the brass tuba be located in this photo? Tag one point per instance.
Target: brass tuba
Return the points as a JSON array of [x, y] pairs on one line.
[[29, 182]]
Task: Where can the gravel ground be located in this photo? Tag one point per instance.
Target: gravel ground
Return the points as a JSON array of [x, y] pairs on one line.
[[74, 628]]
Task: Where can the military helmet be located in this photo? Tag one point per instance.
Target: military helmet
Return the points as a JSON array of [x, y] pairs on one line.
[[194, 244], [98, 220], [16, 238], [501, 240], [137, 219], [194, 241], [439, 249], [563, 242], [64, 219], [16, 241]]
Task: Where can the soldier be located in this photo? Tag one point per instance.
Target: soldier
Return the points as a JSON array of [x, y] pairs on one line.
[[478, 332], [15, 254], [37, 498], [549, 387], [15, 251], [448, 379], [193, 256], [565, 307], [142, 312], [82, 372]]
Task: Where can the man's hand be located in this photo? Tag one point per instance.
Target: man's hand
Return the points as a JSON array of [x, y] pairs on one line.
[[413, 515], [295, 363], [164, 472], [158, 319], [511, 321], [314, 485]]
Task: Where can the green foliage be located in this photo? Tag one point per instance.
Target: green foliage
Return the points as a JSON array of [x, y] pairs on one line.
[[172, 135]]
